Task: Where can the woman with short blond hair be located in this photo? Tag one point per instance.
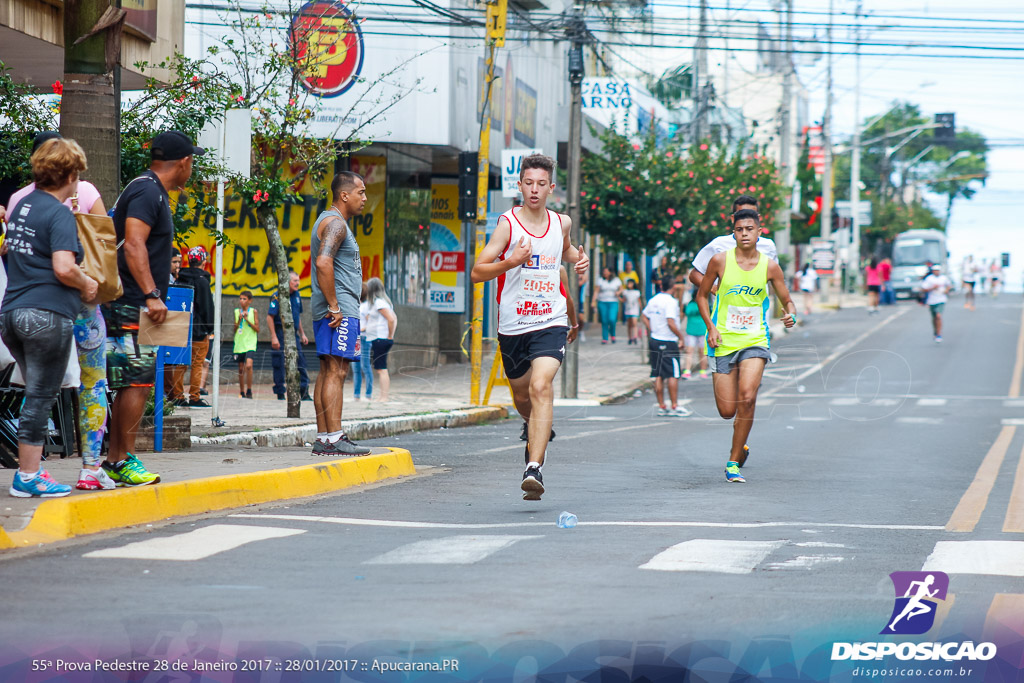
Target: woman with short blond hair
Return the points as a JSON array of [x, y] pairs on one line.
[[45, 292]]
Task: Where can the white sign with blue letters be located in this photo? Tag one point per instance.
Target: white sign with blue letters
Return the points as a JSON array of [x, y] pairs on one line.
[[511, 161]]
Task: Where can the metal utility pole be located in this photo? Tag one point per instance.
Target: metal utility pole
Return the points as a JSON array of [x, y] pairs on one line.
[[700, 108], [786, 134], [570, 368], [855, 163], [826, 134], [497, 13]]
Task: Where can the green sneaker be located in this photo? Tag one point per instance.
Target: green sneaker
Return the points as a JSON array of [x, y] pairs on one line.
[[130, 472], [732, 473]]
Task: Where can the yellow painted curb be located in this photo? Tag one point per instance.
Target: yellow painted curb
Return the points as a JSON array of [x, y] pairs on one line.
[[62, 518]]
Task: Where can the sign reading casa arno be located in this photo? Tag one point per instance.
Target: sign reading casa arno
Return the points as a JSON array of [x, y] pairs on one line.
[[327, 38], [605, 93]]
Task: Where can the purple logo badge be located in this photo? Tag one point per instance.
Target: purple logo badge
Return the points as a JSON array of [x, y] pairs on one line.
[[918, 595]]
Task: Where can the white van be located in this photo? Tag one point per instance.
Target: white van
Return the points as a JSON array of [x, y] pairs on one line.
[[912, 251]]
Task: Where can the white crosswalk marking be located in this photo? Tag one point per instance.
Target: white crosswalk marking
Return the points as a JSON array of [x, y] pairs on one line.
[[1014, 403], [1001, 558], [708, 555], [919, 420], [195, 545], [448, 550], [931, 402]]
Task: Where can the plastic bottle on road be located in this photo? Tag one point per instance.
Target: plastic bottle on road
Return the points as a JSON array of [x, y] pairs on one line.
[[567, 520]]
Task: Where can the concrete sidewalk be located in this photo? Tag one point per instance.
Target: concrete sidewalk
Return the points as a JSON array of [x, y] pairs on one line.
[[419, 399], [263, 457]]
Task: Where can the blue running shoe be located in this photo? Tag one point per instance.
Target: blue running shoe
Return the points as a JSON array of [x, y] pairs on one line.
[[39, 486], [732, 473]]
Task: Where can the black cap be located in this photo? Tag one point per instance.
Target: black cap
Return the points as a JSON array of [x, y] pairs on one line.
[[172, 145], [42, 137]]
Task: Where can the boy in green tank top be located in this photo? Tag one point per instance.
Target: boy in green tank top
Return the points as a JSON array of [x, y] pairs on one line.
[[738, 336], [247, 326]]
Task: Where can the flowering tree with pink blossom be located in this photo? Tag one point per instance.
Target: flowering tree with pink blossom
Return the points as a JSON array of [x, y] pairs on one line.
[[645, 194]]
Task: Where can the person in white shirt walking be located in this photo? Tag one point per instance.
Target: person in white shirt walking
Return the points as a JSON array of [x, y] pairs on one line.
[[726, 242], [808, 284], [381, 322], [937, 286], [661, 319], [606, 300], [633, 301]]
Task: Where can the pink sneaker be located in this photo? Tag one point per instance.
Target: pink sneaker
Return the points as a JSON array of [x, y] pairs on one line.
[[89, 480], [687, 375]]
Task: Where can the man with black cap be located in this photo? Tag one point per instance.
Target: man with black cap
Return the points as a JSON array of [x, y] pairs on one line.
[[142, 219]]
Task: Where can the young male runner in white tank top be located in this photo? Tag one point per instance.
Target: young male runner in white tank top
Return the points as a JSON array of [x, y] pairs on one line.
[[524, 254]]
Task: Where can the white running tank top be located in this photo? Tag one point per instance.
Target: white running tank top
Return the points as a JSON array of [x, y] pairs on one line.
[[530, 297]]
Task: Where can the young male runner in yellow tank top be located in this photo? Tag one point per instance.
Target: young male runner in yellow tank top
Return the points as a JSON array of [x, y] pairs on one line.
[[738, 336]]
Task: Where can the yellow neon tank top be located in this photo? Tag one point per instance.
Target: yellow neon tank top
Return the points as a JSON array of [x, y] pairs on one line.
[[741, 307]]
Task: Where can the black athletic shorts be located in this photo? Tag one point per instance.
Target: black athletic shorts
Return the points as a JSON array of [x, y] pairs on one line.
[[517, 350], [664, 357]]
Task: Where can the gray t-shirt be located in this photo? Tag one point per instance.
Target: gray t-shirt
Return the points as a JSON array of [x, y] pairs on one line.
[[348, 271], [39, 226]]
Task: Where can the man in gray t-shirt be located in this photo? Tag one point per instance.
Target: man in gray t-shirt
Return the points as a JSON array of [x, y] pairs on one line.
[[337, 279]]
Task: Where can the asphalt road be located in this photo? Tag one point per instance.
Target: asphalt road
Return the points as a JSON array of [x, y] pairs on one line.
[[867, 439]]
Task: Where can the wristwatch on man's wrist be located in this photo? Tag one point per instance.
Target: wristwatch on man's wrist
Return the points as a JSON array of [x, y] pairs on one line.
[[155, 294]]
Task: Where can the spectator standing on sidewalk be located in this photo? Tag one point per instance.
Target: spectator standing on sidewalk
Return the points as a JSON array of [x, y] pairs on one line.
[[693, 337], [276, 328], [174, 373], [175, 265], [380, 332], [632, 301], [90, 337], [247, 327], [808, 284], [195, 276], [661, 319], [142, 219], [337, 278], [606, 300], [885, 273], [362, 371], [873, 281], [629, 273], [44, 296]]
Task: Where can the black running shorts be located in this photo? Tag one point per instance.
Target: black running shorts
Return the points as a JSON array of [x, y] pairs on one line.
[[518, 350], [664, 357]]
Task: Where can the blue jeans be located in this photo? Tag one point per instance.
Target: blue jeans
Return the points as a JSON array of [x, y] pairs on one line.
[[39, 340], [363, 369], [608, 312]]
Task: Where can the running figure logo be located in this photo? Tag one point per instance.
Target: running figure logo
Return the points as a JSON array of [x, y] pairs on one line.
[[917, 597]]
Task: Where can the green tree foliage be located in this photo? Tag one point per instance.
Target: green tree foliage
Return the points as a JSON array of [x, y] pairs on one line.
[[960, 169], [23, 114], [639, 194]]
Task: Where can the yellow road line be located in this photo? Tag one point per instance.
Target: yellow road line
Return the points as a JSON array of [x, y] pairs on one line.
[[1014, 521], [61, 518], [967, 513], [1006, 613], [1018, 367]]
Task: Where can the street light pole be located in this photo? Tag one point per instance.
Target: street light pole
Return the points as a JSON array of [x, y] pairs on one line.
[[855, 163], [570, 371]]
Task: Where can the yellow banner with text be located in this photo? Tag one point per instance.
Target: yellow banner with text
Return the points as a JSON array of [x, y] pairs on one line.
[[248, 264]]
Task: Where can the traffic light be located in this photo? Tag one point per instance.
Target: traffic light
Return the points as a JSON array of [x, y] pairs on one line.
[[946, 132], [1006, 259], [469, 168]]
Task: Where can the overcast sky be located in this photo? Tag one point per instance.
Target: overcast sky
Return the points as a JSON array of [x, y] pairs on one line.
[[986, 95]]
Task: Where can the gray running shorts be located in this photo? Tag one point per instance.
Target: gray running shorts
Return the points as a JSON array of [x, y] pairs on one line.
[[726, 364]]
